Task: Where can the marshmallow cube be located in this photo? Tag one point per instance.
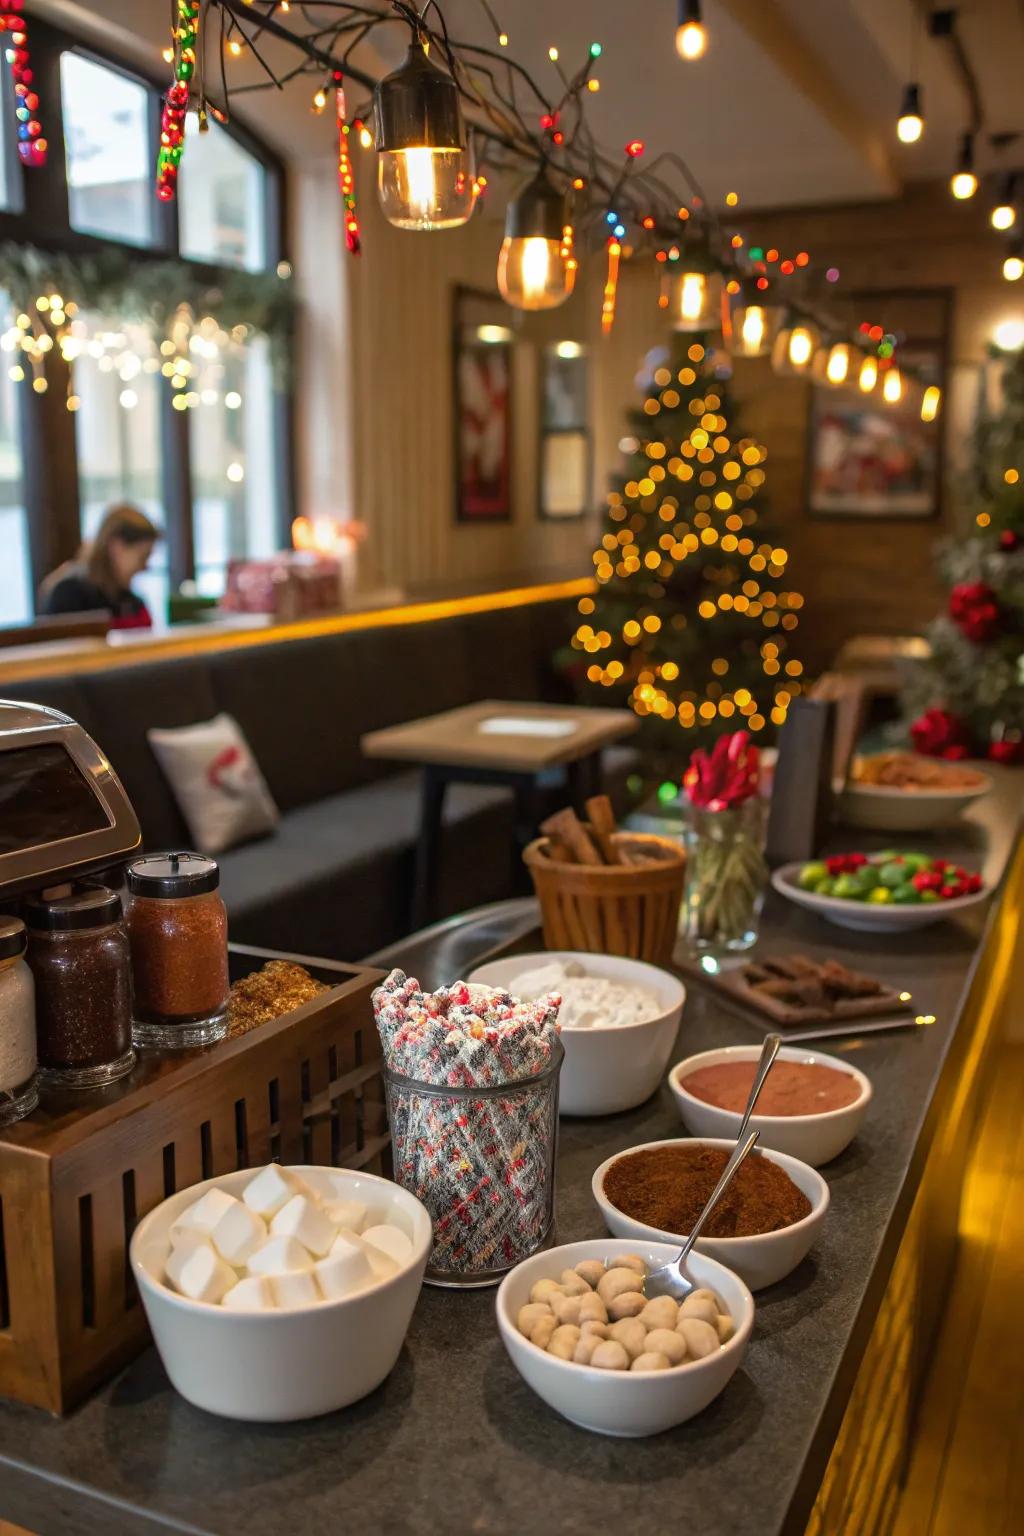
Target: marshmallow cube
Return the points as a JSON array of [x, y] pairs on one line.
[[345, 1270], [304, 1221], [296, 1289], [272, 1188], [349, 1214], [253, 1294], [207, 1211], [200, 1273], [390, 1241], [188, 1238], [279, 1256], [238, 1233]]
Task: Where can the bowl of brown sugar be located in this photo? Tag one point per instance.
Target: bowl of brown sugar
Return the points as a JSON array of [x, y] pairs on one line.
[[762, 1227]]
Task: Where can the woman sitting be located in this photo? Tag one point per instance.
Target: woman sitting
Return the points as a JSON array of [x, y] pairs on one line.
[[101, 576]]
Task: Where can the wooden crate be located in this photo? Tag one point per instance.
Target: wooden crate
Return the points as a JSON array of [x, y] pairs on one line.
[[77, 1175]]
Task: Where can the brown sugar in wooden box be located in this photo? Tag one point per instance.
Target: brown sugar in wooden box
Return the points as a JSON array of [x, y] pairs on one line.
[[77, 1175]]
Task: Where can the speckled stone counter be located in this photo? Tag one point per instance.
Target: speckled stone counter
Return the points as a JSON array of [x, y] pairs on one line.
[[454, 1440]]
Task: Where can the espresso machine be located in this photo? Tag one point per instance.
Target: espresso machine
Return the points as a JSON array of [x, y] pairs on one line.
[[63, 811]]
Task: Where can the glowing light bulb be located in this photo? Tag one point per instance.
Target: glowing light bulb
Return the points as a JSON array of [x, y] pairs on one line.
[[892, 387], [536, 265], [754, 328], [365, 137], [963, 184], [691, 41], [1009, 335], [930, 402], [425, 188], [1003, 216], [801, 346], [1013, 269], [837, 368], [910, 123], [867, 378]]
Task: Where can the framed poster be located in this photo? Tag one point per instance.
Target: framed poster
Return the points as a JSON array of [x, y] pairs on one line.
[[867, 459], [565, 458], [482, 354]]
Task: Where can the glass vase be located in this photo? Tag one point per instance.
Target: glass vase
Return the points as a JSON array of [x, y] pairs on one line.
[[726, 876], [482, 1160]]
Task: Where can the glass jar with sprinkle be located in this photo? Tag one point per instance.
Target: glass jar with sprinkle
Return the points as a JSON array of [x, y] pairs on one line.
[[178, 929], [78, 952], [18, 1092]]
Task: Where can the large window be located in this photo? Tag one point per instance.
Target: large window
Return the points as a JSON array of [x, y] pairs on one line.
[[198, 453], [108, 152]]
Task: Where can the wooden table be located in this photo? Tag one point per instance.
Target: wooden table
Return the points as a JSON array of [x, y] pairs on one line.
[[496, 742]]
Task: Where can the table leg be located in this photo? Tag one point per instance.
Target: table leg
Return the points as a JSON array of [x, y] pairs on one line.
[[527, 818], [584, 779], [428, 848]]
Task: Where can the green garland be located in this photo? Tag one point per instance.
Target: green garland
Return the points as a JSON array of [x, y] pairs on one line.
[[118, 284]]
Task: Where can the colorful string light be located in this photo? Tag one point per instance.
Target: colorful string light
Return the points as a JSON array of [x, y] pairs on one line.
[[31, 143], [185, 38], [346, 180], [611, 287]]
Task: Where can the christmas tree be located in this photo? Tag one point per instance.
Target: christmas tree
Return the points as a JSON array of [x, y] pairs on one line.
[[968, 697], [692, 620]]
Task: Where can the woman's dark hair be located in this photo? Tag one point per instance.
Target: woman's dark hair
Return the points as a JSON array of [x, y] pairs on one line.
[[122, 521]]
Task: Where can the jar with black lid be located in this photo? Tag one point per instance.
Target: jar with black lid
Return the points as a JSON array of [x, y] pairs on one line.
[[178, 929], [18, 1092], [78, 953]]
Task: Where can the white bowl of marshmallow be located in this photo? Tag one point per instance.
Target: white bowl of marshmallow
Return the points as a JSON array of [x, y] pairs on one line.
[[281, 1293], [619, 1019]]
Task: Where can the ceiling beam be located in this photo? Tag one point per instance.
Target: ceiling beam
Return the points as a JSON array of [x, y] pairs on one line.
[[767, 24]]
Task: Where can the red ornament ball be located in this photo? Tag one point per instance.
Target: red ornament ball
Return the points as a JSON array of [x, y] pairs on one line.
[[1009, 540], [1009, 750], [940, 733], [974, 609]]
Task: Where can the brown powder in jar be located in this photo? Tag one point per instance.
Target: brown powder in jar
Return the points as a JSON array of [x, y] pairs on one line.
[[270, 992], [668, 1187], [179, 957]]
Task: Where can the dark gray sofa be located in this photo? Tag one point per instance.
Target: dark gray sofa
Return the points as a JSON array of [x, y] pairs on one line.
[[335, 878]]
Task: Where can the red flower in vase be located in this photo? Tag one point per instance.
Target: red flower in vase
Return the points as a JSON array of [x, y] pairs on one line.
[[974, 610], [938, 733], [725, 776]]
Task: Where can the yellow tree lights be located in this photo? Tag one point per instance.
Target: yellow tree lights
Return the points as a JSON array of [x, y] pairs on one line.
[[693, 618]]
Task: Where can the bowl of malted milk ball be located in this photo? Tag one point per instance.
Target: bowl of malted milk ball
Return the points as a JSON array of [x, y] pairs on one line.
[[619, 1019]]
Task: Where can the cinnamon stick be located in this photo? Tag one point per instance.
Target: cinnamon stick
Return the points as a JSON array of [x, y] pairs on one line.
[[603, 827], [566, 827]]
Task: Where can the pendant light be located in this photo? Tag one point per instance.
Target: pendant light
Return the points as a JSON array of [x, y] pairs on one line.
[[691, 33], [536, 265], [910, 123], [833, 364], [963, 183], [867, 374], [892, 386], [754, 321], [424, 179], [794, 349], [1004, 213], [930, 402], [693, 298]]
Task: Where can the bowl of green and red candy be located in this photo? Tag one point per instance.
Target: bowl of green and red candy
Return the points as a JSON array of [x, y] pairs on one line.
[[904, 879]]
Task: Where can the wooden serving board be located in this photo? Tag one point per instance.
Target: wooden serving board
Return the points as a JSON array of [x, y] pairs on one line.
[[732, 985]]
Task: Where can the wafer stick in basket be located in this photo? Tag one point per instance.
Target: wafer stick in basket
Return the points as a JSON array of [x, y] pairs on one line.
[[603, 828], [566, 827]]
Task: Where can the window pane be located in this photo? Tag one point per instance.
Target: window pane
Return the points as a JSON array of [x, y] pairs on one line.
[[117, 436], [233, 476], [15, 571], [221, 200], [107, 142]]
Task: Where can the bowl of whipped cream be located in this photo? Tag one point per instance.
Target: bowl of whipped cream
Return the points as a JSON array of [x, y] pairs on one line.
[[619, 1019]]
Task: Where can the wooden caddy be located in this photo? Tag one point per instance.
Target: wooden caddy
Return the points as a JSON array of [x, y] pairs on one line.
[[77, 1175]]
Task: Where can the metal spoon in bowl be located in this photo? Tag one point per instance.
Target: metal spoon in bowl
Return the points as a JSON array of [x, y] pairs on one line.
[[671, 1279], [769, 1051]]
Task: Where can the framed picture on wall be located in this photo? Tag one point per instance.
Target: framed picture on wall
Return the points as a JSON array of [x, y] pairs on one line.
[[869, 459], [482, 353], [565, 457]]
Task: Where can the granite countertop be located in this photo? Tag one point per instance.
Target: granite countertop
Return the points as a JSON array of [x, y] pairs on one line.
[[454, 1439]]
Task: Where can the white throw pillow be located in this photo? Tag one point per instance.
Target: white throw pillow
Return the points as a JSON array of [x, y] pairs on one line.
[[216, 781]]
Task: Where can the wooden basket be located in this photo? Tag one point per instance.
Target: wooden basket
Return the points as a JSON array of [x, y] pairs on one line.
[[613, 909], [77, 1175]]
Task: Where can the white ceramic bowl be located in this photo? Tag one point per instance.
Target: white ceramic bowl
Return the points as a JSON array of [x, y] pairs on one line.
[[276, 1366], [759, 1260], [606, 1070], [624, 1403], [814, 1139], [864, 916], [884, 808]]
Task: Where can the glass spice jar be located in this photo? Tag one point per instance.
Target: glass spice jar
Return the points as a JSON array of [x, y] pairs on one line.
[[78, 952], [19, 1093], [178, 930]]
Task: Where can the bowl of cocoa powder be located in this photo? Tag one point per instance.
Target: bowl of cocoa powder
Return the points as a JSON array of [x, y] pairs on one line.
[[761, 1229]]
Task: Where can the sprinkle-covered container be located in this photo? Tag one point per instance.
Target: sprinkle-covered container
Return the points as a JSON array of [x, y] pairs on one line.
[[471, 1078], [18, 1092], [78, 952], [178, 929]]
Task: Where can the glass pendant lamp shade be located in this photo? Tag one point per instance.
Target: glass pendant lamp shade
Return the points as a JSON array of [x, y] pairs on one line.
[[424, 178], [536, 265], [931, 400], [693, 299], [794, 349], [833, 364], [867, 374], [892, 386], [755, 322]]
